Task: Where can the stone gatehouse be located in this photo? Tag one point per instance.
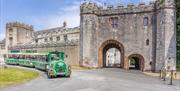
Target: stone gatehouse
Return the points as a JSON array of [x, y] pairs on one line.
[[145, 34]]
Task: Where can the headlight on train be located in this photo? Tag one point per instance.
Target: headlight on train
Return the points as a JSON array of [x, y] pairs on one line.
[[31, 63], [47, 67], [69, 67]]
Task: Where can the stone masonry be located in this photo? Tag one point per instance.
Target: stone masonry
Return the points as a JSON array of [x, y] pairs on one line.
[[144, 31]]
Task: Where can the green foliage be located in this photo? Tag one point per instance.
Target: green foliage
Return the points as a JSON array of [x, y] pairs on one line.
[[132, 62], [10, 76], [161, 1], [178, 3], [178, 66], [178, 32]]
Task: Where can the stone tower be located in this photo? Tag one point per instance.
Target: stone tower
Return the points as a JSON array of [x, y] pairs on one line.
[[18, 33], [166, 34], [88, 27]]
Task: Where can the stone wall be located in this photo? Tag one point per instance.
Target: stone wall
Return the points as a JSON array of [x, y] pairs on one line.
[[166, 36], [153, 41], [71, 53]]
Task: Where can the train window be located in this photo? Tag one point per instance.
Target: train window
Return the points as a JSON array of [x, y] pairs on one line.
[[16, 57], [31, 57]]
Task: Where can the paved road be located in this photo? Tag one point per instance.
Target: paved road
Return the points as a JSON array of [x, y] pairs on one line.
[[98, 80]]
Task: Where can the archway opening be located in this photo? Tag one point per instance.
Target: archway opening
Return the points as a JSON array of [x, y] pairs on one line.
[[136, 62], [111, 54], [112, 58]]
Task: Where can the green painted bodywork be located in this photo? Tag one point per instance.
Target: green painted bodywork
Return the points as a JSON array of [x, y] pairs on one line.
[[56, 65], [53, 62], [11, 61]]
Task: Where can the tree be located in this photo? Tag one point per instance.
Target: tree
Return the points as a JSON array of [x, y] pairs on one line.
[[178, 32]]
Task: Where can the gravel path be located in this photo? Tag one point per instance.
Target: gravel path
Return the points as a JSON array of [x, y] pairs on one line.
[[110, 79]]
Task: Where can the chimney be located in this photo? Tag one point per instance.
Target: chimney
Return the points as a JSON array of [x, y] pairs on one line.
[[64, 24]]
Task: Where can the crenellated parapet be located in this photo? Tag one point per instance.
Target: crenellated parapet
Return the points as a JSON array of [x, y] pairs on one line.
[[165, 4], [93, 8], [89, 8], [19, 25]]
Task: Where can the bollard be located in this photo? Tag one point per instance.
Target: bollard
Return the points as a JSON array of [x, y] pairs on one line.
[[171, 78], [160, 75], [164, 75]]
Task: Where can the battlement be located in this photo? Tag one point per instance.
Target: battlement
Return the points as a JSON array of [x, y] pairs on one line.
[[93, 8], [20, 25]]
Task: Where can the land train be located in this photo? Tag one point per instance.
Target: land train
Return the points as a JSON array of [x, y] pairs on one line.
[[52, 62]]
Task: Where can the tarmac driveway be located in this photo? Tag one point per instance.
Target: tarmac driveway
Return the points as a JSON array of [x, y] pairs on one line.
[[109, 79]]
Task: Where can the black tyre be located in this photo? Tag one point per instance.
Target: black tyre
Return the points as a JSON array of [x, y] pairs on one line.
[[68, 76], [49, 76]]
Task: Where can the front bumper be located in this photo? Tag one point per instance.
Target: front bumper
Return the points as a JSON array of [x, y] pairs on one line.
[[52, 73]]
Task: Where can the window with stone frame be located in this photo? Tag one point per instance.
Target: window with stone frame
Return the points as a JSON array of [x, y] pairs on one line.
[[65, 38], [147, 42], [114, 22], [45, 40], [58, 38], [10, 32], [10, 41], [145, 21], [36, 40], [51, 39]]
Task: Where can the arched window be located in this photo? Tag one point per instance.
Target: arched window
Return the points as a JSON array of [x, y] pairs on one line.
[[147, 42], [145, 21]]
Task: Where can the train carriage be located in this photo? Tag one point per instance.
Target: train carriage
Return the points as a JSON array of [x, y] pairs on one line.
[[52, 62]]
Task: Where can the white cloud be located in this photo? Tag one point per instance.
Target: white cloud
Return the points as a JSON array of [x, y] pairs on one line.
[[70, 14], [2, 35], [146, 1]]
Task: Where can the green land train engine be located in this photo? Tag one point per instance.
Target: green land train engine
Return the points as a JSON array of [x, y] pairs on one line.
[[52, 62], [56, 65]]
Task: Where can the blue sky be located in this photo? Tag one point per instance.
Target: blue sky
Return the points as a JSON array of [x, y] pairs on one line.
[[43, 14]]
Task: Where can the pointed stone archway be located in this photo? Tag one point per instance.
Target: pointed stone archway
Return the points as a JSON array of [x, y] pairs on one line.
[[138, 62], [105, 47]]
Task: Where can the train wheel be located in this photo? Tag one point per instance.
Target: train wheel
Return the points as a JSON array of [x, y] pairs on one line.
[[68, 75], [49, 76]]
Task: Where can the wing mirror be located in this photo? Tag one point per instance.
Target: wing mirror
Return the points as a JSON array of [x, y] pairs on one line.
[[66, 55]]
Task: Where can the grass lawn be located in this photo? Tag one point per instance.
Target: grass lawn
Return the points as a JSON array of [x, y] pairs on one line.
[[81, 68], [12, 76]]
